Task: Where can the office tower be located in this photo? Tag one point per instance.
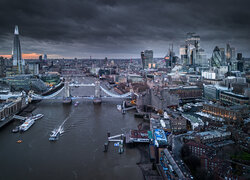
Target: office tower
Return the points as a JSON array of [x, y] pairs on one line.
[[201, 58], [240, 65], [193, 40], [143, 60], [228, 54], [240, 62], [193, 45], [223, 56], [105, 62], [169, 58], [239, 56], [2, 67], [230, 58], [147, 58], [216, 58], [183, 54], [233, 56], [40, 58], [45, 57], [18, 62]]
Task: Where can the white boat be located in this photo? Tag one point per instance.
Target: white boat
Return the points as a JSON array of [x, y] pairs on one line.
[[26, 125], [55, 134], [119, 107], [36, 117], [29, 122]]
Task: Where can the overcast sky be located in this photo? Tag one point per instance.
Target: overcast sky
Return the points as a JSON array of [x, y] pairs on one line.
[[122, 28]]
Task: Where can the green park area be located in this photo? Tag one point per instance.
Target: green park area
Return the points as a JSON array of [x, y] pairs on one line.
[[241, 156]]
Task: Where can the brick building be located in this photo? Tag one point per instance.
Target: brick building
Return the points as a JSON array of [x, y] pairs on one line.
[[238, 112], [199, 149], [231, 98], [178, 123], [207, 155], [186, 92]]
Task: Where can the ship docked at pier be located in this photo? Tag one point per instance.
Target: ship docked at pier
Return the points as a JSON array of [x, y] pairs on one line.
[[29, 122]]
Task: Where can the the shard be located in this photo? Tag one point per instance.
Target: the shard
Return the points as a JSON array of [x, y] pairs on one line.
[[18, 62]]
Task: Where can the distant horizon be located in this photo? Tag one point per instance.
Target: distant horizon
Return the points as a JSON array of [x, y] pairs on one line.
[[48, 57]]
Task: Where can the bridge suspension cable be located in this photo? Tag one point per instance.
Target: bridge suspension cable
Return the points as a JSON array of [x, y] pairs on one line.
[[115, 95], [37, 96]]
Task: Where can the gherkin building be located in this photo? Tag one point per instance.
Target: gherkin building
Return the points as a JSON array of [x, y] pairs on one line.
[[216, 60]]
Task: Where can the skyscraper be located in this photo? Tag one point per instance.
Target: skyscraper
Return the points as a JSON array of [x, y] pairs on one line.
[[142, 60], [240, 62], [45, 57], [223, 56], [170, 57], [233, 55], [216, 58], [228, 53], [40, 58], [201, 58], [183, 54], [190, 52], [193, 44], [147, 59], [18, 62]]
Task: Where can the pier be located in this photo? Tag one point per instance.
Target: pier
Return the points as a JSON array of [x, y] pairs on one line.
[[118, 141]]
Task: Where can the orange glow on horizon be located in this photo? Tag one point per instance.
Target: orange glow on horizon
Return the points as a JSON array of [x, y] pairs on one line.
[[25, 56], [5, 56]]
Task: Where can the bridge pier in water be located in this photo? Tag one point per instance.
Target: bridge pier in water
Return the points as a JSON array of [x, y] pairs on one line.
[[67, 97], [97, 98]]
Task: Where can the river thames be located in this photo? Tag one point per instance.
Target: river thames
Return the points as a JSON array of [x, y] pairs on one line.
[[78, 154]]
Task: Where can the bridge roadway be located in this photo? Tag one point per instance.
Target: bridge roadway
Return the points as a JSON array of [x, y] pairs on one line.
[[55, 95], [82, 85]]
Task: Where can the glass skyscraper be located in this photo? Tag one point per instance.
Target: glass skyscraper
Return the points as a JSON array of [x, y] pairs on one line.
[[216, 59], [147, 59], [18, 62]]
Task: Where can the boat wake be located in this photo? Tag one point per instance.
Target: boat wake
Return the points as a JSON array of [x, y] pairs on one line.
[[60, 130]]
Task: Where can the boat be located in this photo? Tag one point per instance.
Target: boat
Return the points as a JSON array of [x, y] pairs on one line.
[[36, 117], [26, 125], [119, 107], [16, 129], [76, 104], [19, 141], [55, 134]]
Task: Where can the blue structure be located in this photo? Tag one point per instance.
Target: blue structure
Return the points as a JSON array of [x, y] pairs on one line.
[[160, 138]]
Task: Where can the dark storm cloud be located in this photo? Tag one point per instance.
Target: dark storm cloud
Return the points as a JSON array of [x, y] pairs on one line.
[[122, 27]]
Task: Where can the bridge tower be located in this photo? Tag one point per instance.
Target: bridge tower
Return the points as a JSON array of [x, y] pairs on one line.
[[97, 97], [67, 97]]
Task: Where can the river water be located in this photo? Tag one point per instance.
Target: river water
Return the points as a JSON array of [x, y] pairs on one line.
[[78, 154]]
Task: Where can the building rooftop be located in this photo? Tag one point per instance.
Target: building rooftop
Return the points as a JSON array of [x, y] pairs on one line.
[[235, 95], [192, 119]]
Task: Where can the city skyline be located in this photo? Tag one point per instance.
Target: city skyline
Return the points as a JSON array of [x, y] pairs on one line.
[[121, 29]]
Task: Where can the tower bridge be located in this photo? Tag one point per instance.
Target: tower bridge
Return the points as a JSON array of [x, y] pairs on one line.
[[66, 91]]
